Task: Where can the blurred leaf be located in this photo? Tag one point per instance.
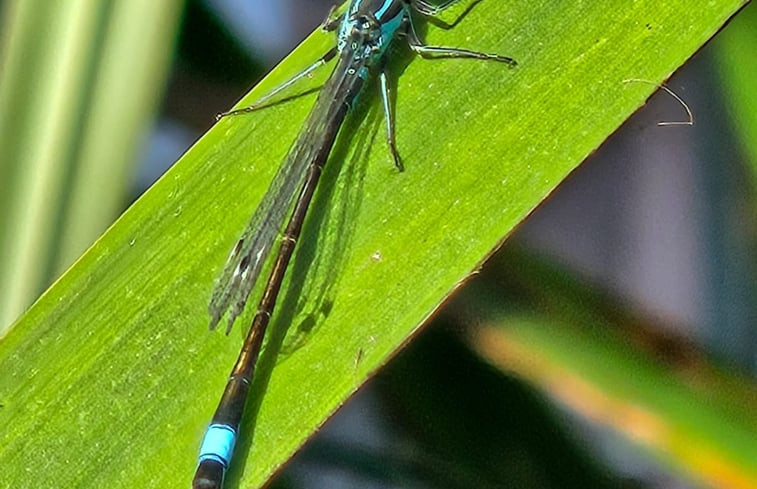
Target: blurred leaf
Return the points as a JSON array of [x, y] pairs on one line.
[[737, 47], [614, 369], [110, 379], [79, 82]]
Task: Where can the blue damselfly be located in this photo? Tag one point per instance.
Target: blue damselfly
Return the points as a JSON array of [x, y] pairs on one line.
[[364, 33]]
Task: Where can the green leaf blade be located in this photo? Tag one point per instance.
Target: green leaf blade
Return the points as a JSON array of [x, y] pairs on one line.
[[111, 377]]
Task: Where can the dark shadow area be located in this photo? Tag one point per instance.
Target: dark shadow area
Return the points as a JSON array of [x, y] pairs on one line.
[[456, 422]]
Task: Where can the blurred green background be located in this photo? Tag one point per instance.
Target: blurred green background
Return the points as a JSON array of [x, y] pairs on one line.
[[610, 343]]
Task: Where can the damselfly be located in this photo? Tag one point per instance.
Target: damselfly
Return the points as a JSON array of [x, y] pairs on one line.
[[364, 34]]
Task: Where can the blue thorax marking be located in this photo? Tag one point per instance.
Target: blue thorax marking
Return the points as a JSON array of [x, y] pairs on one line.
[[383, 8], [390, 26], [369, 26]]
